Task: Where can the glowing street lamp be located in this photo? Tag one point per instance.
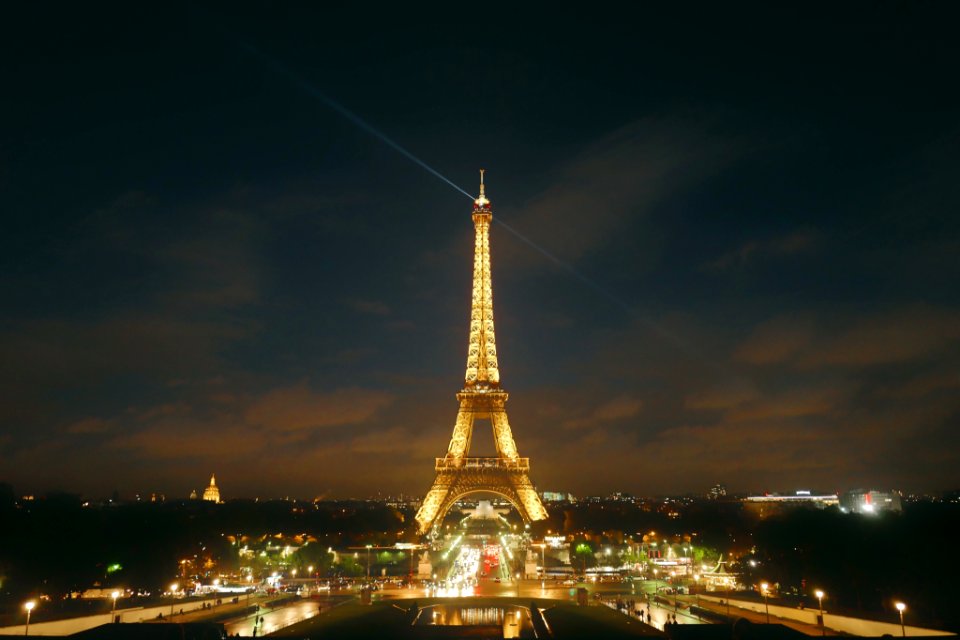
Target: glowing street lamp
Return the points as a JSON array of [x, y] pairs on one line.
[[901, 607], [113, 612], [543, 565], [368, 562], [766, 605], [819, 593], [173, 593], [30, 604], [518, 584], [696, 583]]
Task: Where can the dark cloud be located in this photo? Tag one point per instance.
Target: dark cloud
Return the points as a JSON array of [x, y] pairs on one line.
[[756, 250], [896, 336], [299, 407]]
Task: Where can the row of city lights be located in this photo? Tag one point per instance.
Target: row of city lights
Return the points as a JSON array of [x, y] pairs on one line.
[[468, 590], [819, 593], [29, 605]]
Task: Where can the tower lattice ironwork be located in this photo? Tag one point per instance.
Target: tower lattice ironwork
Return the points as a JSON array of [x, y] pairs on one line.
[[506, 474]]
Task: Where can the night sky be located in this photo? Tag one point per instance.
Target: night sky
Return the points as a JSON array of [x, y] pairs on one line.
[[740, 266]]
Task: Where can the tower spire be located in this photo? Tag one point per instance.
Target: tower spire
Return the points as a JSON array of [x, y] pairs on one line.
[[481, 202], [482, 366]]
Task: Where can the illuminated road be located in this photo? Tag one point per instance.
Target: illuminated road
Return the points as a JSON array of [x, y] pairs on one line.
[[462, 575]]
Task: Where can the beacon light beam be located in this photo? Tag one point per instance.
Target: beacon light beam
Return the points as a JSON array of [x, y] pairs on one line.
[[346, 113], [313, 91], [362, 124], [683, 346]]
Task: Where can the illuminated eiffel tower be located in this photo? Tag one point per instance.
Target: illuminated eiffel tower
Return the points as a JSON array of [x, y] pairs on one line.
[[506, 474]]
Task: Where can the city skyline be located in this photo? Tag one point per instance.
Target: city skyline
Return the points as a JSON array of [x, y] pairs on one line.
[[724, 261]]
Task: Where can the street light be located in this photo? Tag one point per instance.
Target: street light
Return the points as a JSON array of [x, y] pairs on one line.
[[819, 593], [518, 584], [543, 565], [900, 607], [113, 612], [30, 604], [696, 586], [368, 563], [173, 593], [766, 605]]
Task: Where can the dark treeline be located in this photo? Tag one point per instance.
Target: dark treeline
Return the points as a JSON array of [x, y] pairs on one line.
[[864, 563], [54, 545], [867, 562], [718, 525]]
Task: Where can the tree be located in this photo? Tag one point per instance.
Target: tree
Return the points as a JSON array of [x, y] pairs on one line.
[[313, 555], [582, 552]]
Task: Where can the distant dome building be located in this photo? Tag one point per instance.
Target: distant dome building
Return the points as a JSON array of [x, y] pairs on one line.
[[212, 493]]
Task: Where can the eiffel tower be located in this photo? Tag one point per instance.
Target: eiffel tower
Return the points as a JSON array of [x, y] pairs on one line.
[[506, 474]]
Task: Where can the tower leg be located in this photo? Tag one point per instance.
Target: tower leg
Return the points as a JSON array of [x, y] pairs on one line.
[[432, 507], [462, 430], [503, 435]]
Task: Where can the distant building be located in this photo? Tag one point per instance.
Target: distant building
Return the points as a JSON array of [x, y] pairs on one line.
[[869, 501], [485, 511], [193, 495], [717, 491], [557, 496], [769, 505], [212, 492]]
